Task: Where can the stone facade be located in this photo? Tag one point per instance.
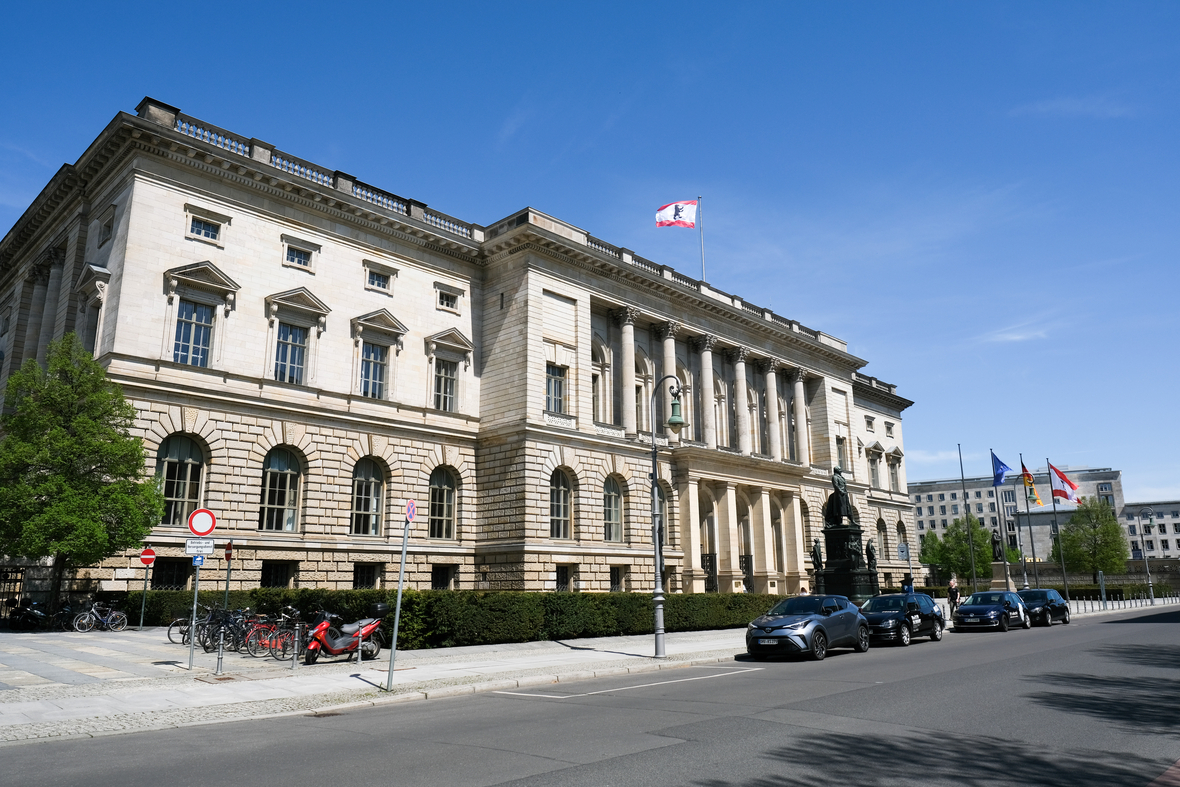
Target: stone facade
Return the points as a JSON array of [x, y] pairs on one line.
[[308, 352]]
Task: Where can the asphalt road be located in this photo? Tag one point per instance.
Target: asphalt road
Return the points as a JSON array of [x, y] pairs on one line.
[[1096, 702]]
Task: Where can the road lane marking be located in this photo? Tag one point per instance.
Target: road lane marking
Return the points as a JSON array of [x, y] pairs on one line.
[[627, 688]]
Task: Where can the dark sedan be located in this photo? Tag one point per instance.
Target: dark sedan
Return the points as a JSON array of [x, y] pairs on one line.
[[899, 617], [1045, 606], [992, 609], [810, 625]]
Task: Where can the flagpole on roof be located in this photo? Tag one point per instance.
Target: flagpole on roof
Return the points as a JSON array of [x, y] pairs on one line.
[[701, 225], [1060, 548], [967, 521], [1028, 518]]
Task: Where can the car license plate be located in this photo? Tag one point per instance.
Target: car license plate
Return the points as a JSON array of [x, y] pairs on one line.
[[768, 642], [970, 620]]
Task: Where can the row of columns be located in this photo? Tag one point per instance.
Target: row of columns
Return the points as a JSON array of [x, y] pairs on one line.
[[704, 345]]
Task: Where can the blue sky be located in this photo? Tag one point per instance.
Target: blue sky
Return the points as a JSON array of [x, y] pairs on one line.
[[981, 198]]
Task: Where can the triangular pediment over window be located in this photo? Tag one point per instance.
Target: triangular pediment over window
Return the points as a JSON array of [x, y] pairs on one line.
[[451, 340], [380, 322], [300, 300], [93, 281], [875, 447], [896, 453], [200, 276]]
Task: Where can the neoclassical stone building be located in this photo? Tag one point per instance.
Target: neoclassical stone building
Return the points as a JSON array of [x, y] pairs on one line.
[[306, 352]]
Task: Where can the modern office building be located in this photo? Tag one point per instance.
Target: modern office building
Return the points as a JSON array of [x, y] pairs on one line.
[[307, 352], [1152, 528]]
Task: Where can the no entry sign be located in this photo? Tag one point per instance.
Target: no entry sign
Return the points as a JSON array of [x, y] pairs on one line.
[[148, 556], [201, 522]]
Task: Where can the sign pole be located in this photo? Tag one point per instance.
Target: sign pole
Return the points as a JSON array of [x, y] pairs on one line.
[[143, 601], [229, 570], [411, 510], [192, 626]]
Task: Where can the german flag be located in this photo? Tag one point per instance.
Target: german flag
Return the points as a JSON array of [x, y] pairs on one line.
[[1030, 488]]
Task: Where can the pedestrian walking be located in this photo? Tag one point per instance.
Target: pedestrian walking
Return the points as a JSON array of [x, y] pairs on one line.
[[952, 596], [803, 590]]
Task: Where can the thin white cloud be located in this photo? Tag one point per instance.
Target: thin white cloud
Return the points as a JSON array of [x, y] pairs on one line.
[[1101, 107], [1029, 330]]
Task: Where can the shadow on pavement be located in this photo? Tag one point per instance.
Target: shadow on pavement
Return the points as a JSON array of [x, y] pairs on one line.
[[1158, 617], [1162, 656], [1141, 704], [838, 760]]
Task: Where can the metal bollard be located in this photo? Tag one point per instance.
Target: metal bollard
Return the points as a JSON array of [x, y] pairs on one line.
[[295, 653], [220, 649]]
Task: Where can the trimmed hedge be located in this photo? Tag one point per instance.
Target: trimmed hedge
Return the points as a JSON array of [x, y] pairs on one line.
[[449, 618]]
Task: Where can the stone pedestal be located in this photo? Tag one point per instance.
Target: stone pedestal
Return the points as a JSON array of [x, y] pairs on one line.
[[844, 572], [1000, 578]]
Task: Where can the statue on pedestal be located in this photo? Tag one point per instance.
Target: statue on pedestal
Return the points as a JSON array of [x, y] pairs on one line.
[[838, 505], [997, 547], [817, 556], [855, 554], [871, 555]]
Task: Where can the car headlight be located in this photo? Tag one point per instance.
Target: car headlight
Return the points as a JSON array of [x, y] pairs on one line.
[[750, 627], [890, 624], [992, 614]]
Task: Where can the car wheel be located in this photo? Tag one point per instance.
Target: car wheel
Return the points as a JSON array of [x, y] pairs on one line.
[[1004, 622], [903, 636], [862, 639], [819, 646], [936, 634], [1066, 618], [1026, 621]]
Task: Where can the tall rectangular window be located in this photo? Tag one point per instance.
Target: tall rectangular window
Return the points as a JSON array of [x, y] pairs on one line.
[[194, 332], [555, 387], [445, 374], [894, 483], [875, 471], [290, 354], [374, 358], [841, 454]]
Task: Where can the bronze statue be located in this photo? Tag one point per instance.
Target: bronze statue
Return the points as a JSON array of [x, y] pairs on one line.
[[838, 505], [817, 556], [871, 555], [997, 546], [855, 553]]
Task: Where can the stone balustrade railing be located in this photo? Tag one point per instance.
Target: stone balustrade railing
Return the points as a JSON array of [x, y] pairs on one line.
[[300, 168], [444, 222], [207, 132], [380, 198]]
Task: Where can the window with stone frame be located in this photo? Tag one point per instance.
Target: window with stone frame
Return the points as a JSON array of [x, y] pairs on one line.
[[291, 354], [367, 499], [555, 388], [894, 480], [612, 510], [374, 366], [279, 506], [366, 576], [618, 575], [300, 254], [560, 505], [278, 574], [444, 576], [842, 455], [442, 503], [171, 573], [874, 469], [446, 376], [194, 333], [205, 229], [179, 463]]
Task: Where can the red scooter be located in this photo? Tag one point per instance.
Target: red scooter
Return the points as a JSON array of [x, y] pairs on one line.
[[324, 637]]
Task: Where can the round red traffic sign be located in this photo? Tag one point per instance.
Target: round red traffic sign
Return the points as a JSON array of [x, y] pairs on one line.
[[201, 522], [148, 556]]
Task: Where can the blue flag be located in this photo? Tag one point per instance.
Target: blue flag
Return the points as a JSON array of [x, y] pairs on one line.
[[999, 470]]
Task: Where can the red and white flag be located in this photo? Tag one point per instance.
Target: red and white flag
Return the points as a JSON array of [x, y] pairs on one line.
[[1062, 486], [677, 214]]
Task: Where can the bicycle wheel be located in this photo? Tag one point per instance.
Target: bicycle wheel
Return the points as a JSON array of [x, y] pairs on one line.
[[178, 631], [117, 621], [258, 642], [83, 622], [210, 638], [282, 645]]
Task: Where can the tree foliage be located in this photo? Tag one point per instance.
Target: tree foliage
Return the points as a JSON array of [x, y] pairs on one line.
[[72, 483], [952, 553], [1093, 540]]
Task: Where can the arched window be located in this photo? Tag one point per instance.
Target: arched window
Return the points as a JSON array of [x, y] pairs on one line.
[[366, 498], [662, 512], [178, 465], [902, 536], [442, 503], [279, 509], [560, 509], [612, 510], [882, 544]]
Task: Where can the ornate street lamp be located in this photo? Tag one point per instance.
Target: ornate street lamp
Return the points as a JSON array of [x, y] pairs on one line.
[[675, 423]]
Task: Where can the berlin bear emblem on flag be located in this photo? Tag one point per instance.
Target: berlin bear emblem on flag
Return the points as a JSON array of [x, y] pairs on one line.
[[677, 214]]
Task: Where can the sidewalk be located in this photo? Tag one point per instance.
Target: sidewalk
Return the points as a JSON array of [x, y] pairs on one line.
[[61, 685]]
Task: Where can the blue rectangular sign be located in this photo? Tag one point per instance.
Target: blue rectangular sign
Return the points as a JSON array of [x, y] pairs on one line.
[[198, 560]]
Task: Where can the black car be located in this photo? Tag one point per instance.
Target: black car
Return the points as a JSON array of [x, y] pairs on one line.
[[992, 609], [1045, 606], [810, 625], [899, 617]]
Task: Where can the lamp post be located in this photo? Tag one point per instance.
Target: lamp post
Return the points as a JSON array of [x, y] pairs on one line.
[[1146, 565], [675, 423]]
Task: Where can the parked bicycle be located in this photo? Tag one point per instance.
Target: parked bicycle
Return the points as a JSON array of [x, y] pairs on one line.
[[100, 617], [31, 616]]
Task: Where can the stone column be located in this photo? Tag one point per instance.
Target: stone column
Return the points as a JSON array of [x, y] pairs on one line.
[[796, 546], [729, 572], [626, 318], [667, 333], [32, 319], [690, 537], [709, 427], [762, 532], [49, 314], [772, 433], [802, 441], [741, 397]]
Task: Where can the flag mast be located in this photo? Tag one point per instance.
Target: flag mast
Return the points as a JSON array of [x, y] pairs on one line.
[[701, 226], [967, 520], [1028, 518], [1060, 548]]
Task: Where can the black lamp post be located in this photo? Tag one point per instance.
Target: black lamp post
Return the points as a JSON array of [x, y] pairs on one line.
[[675, 423]]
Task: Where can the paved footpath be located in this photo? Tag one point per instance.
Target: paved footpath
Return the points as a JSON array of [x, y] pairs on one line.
[[59, 685]]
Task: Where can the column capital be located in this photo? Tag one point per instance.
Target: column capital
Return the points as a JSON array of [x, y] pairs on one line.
[[703, 343], [769, 365], [626, 315], [738, 354], [798, 376], [667, 330]]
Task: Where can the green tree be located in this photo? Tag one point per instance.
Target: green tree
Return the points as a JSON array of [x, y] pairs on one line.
[[1093, 540], [953, 552], [72, 483]]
